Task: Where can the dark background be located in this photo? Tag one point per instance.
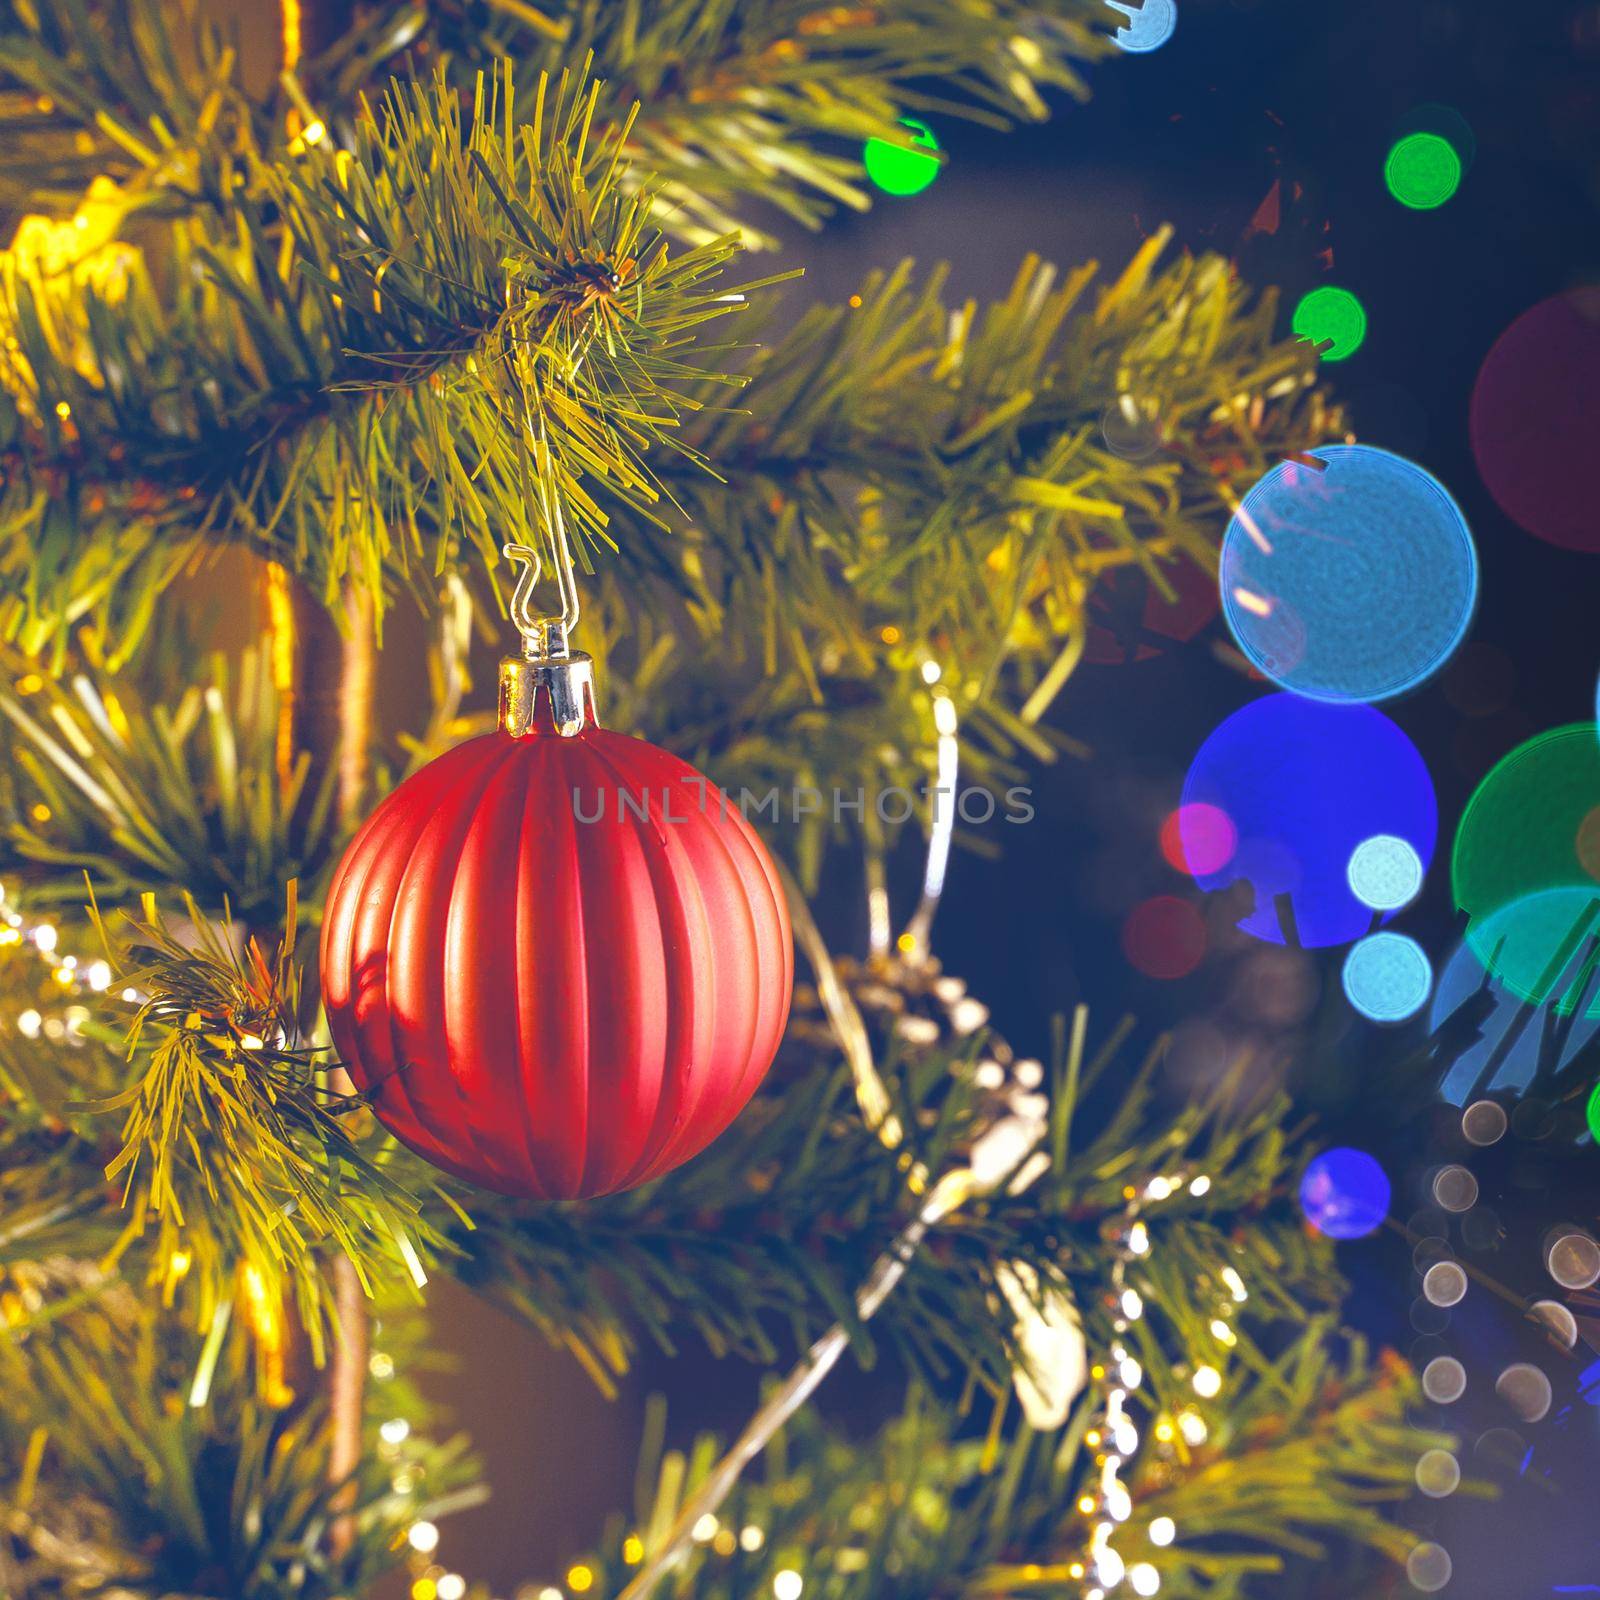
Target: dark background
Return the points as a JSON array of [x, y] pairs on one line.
[[1247, 93]]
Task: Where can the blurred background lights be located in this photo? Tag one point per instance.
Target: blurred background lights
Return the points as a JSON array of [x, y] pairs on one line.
[[1129, 431], [1198, 839], [1303, 783], [1455, 1188], [1519, 837], [899, 169], [1592, 1113], [1355, 580], [1558, 1323], [1132, 617], [1385, 872], [1150, 24], [1429, 1567], [1164, 937], [1484, 1122], [1444, 1284], [1344, 1194], [1526, 1390], [1422, 171], [1444, 1380], [1438, 1473], [1387, 977], [1331, 316], [1573, 1260], [1535, 415], [1494, 1040]]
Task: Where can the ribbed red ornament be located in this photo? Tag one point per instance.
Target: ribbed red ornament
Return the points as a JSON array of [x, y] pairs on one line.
[[557, 966]]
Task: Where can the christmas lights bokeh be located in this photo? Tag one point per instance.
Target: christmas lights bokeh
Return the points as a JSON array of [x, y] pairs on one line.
[[1349, 577], [1303, 784]]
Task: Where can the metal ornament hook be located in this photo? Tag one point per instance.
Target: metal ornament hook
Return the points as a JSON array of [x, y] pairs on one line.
[[545, 635], [548, 669]]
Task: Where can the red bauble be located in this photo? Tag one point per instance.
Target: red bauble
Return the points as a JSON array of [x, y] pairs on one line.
[[543, 1000]]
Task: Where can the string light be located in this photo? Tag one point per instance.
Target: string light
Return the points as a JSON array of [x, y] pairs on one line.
[[1207, 1382], [1144, 1578], [1163, 1531], [787, 1584], [580, 1578], [423, 1537], [751, 1538]]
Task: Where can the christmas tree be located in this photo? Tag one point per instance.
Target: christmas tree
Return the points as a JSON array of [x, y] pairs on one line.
[[471, 283]]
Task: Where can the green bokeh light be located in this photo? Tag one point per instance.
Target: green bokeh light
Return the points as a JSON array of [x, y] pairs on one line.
[[1327, 313], [897, 170], [1522, 868], [1594, 1113], [1423, 171]]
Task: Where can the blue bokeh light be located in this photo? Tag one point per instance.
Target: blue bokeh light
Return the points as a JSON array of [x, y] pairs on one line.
[[1355, 582], [1385, 873], [1304, 783], [1493, 1039], [1387, 977], [1344, 1194], [1148, 27]]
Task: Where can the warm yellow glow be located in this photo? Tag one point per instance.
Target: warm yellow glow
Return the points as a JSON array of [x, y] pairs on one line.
[[891, 635], [40, 812], [1207, 1382], [633, 1549], [292, 35], [580, 1578], [424, 1589], [1086, 1504]]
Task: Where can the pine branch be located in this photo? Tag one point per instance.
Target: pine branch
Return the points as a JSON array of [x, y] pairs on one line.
[[757, 107], [459, 331], [233, 1157], [116, 1474], [922, 1509], [141, 796], [750, 108], [909, 481], [775, 1226]]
